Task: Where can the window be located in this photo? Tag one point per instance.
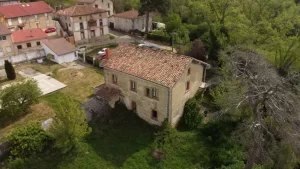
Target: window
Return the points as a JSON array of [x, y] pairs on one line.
[[133, 86], [9, 22], [147, 92], [133, 106], [19, 46], [100, 21], [189, 71], [187, 86], [115, 79], [2, 37], [154, 114], [69, 25], [96, 6], [28, 45], [38, 43], [8, 49], [108, 5], [82, 35], [108, 13], [154, 93], [80, 17], [36, 17], [81, 25], [100, 14], [102, 1], [46, 15], [101, 31], [19, 20]]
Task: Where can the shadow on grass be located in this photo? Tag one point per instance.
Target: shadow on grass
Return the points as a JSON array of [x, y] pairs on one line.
[[121, 137]]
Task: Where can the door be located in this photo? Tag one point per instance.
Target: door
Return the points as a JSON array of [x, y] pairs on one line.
[[133, 106]]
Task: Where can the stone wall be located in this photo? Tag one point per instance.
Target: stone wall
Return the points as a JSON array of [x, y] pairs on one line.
[[23, 57]]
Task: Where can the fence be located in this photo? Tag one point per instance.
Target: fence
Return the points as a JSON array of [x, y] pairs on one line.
[[23, 57]]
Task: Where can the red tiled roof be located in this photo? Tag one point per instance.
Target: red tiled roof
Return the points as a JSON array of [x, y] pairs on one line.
[[79, 10], [28, 35], [161, 67], [128, 14], [60, 46], [25, 9]]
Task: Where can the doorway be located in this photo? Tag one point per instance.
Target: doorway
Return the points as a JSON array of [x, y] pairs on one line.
[[133, 106]]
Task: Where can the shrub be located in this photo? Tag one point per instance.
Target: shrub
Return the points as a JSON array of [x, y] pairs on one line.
[[191, 115], [17, 163], [29, 140], [10, 70], [111, 37]]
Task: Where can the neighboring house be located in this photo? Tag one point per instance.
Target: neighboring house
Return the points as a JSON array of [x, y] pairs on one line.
[[101, 4], [28, 40], [9, 2], [60, 49], [129, 20], [27, 15], [84, 22], [6, 44], [154, 84]]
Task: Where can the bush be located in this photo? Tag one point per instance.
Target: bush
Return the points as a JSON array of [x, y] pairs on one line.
[[10, 70], [191, 115], [28, 141], [159, 36], [17, 163], [111, 37]]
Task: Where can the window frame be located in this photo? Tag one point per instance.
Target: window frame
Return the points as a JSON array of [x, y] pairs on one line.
[[189, 72], [133, 106], [28, 45], [152, 115], [113, 79], [188, 86], [154, 90], [38, 43], [133, 86], [19, 46]]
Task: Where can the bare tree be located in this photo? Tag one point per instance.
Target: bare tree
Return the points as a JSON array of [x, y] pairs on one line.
[[252, 86]]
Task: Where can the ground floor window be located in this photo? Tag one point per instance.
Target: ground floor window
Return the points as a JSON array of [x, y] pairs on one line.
[[154, 114], [133, 106], [19, 46], [38, 43]]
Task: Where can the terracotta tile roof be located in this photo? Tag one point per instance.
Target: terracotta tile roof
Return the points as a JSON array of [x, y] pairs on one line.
[[107, 92], [60, 46], [28, 35], [4, 30], [128, 14], [161, 67], [25, 9], [79, 10]]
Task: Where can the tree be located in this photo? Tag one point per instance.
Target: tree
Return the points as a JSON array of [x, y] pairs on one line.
[[198, 50], [131, 4], [69, 126], [17, 99], [181, 36], [148, 6], [173, 22], [10, 71], [251, 89]]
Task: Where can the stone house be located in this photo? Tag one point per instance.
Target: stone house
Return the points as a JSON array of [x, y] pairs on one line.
[[155, 84], [84, 22], [9, 2], [6, 44], [27, 15], [129, 20], [28, 39], [108, 5]]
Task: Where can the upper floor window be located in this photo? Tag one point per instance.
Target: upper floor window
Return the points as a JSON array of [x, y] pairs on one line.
[[109, 13], [38, 43], [28, 45], [147, 92], [101, 22], [80, 17], [100, 14], [96, 6], [2, 38], [115, 79], [188, 86], [102, 1], [19, 46], [19, 20], [108, 5], [189, 71], [133, 86], [81, 25], [154, 93]]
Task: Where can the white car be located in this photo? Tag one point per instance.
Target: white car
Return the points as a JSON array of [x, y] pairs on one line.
[[102, 52]]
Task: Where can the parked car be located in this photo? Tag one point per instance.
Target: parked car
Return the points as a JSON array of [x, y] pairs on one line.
[[102, 52], [49, 30]]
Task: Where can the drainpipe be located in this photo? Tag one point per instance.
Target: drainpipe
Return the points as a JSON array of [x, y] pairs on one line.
[[169, 109]]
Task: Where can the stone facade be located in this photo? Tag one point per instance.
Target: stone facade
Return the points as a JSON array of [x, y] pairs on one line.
[[168, 103], [28, 46], [6, 46]]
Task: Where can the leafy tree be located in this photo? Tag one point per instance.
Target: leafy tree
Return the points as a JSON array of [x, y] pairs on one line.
[[10, 70], [131, 4], [198, 50], [181, 36], [251, 89], [173, 22], [28, 140], [148, 6], [192, 117], [17, 99], [69, 126]]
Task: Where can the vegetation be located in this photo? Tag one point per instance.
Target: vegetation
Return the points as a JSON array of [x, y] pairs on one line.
[[10, 70], [30, 140], [191, 116], [69, 126], [17, 99]]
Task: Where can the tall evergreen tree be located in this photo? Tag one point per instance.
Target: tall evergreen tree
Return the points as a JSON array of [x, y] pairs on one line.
[[10, 71]]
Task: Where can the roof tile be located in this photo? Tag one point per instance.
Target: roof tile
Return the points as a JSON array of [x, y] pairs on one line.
[[28, 35], [60, 46], [79, 10]]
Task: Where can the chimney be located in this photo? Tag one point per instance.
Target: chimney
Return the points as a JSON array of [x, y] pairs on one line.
[[107, 53]]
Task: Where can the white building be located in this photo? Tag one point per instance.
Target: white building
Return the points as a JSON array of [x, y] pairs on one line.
[[101, 4], [60, 50], [129, 20]]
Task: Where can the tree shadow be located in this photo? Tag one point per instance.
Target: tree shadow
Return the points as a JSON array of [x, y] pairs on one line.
[[121, 136]]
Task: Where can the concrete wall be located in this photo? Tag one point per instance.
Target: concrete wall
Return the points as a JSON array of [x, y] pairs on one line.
[[6, 46], [23, 57], [145, 104], [43, 21], [179, 93], [125, 24]]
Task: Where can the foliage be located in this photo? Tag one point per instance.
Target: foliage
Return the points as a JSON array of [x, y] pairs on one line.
[[181, 36], [17, 163], [131, 4], [10, 70], [30, 140], [159, 35], [16, 100], [111, 37], [69, 126], [191, 114], [286, 158], [198, 50], [50, 56], [173, 22]]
